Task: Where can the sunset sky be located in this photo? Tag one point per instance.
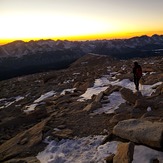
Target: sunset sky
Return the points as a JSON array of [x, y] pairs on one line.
[[79, 19]]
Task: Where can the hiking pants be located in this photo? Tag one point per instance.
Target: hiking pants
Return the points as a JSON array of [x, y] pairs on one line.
[[136, 81]]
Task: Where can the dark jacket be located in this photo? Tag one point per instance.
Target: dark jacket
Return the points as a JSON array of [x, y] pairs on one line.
[[137, 71]]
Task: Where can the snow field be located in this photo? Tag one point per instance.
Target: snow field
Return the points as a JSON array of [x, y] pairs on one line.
[[89, 150]]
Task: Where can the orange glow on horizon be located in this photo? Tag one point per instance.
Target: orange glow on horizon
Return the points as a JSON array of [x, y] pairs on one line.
[[124, 35]]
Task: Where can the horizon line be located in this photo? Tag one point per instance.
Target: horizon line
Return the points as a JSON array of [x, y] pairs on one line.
[[80, 38]]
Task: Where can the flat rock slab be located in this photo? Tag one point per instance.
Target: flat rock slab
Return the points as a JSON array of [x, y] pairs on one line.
[[22, 142], [140, 131]]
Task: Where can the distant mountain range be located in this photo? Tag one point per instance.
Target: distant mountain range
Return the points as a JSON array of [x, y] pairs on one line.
[[19, 58]]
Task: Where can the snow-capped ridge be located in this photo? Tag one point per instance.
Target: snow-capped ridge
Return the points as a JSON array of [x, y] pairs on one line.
[[83, 46]]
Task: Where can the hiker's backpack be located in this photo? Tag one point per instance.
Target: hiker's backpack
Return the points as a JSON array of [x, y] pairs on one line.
[[138, 72]]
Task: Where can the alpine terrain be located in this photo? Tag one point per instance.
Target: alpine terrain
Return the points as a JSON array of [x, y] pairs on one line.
[[88, 112]]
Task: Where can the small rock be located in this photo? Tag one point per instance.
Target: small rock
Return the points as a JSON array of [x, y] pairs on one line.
[[124, 153], [155, 161], [62, 126], [149, 109], [143, 103], [109, 159], [23, 141], [92, 106], [65, 133], [107, 138], [119, 117], [111, 89], [99, 97], [105, 101]]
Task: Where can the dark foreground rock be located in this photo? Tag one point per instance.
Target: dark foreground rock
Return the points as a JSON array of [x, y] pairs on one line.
[[22, 143]]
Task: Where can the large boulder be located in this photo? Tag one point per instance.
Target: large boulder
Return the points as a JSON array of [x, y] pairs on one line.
[[140, 131]]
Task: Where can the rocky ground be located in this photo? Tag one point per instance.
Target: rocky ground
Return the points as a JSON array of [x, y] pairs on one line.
[[22, 131]]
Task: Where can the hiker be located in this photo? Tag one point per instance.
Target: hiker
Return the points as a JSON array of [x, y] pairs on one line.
[[137, 71]]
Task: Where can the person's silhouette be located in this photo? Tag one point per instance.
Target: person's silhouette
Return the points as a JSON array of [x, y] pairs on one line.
[[137, 71]]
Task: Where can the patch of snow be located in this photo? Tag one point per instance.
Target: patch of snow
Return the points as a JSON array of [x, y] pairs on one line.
[[67, 90], [8, 104], [68, 81], [104, 151], [38, 81], [114, 78], [151, 63], [102, 84], [115, 100], [109, 68], [88, 149], [145, 73], [147, 90], [76, 73], [10, 101], [152, 73], [158, 50], [18, 98], [37, 101], [90, 92], [30, 107], [124, 83], [56, 129], [44, 96], [2, 99], [123, 67], [81, 150], [103, 81], [144, 154], [98, 55]]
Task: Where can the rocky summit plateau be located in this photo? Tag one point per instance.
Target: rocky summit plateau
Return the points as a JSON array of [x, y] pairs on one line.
[[88, 113]]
